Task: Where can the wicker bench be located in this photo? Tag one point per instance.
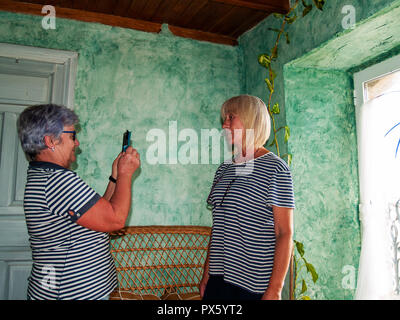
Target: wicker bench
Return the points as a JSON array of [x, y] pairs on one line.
[[159, 262]]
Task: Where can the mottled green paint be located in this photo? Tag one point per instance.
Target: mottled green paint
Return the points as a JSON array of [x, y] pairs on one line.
[[370, 38], [320, 114], [315, 94], [128, 79]]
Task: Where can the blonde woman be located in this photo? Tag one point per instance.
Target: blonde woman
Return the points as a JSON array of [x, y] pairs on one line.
[[252, 206]]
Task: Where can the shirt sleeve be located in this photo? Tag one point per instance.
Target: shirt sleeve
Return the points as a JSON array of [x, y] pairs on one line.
[[217, 176], [280, 192], [69, 196]]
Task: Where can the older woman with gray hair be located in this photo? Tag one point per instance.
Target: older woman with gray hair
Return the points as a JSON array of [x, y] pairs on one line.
[[68, 222], [252, 206]]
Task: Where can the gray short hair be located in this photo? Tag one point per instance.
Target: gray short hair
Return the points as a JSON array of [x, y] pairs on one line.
[[38, 121]]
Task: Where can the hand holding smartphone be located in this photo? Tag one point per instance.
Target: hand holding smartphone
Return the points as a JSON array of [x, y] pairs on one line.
[[126, 140], [128, 162]]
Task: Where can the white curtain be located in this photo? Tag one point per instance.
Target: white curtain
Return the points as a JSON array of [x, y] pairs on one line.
[[379, 169]]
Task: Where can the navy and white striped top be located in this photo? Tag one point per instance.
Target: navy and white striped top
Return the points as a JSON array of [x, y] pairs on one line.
[[243, 238], [69, 261]]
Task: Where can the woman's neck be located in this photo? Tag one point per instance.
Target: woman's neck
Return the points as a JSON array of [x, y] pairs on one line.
[[48, 156], [255, 153]]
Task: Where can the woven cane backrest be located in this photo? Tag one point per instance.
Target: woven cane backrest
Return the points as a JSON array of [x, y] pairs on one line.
[[160, 259]]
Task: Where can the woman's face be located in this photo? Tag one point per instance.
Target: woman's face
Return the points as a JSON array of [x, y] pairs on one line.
[[234, 129], [67, 146]]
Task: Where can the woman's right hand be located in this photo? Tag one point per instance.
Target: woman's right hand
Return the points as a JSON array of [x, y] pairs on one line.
[[128, 162], [203, 285]]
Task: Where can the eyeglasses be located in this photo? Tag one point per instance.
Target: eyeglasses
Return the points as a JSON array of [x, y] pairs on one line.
[[209, 203], [226, 191], [73, 134]]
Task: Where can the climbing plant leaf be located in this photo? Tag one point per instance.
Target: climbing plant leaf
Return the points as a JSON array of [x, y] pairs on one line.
[[299, 247], [287, 133], [269, 84], [276, 109], [319, 4], [264, 60]]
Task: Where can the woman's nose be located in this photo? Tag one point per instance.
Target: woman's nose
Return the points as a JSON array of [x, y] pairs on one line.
[[77, 142], [226, 124]]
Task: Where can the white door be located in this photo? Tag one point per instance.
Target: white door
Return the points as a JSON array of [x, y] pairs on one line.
[[26, 78], [378, 128]]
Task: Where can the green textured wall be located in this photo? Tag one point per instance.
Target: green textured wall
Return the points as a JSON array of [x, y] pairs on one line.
[[315, 94], [128, 79], [306, 34], [325, 174]]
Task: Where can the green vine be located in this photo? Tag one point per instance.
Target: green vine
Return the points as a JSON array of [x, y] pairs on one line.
[[298, 264], [266, 60]]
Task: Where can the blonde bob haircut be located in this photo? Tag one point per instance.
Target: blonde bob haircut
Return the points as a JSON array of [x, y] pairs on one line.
[[253, 113]]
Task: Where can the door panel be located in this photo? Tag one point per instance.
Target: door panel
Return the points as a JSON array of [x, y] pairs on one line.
[[13, 231], [13, 163], [20, 179], [8, 156], [18, 273], [15, 86]]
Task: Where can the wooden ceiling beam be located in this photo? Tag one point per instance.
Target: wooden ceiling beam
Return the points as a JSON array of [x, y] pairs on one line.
[[267, 7], [81, 15], [118, 21], [202, 35]]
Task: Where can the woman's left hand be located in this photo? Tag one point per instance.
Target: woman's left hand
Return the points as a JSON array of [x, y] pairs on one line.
[[271, 294], [114, 172]]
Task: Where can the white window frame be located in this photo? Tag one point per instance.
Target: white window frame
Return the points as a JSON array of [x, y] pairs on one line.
[[360, 98], [371, 73], [374, 72]]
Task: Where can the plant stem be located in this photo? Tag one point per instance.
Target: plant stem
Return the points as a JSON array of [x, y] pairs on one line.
[[273, 57], [295, 277], [275, 48]]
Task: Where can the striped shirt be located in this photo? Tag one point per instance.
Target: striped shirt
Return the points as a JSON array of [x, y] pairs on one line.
[[69, 261], [243, 238]]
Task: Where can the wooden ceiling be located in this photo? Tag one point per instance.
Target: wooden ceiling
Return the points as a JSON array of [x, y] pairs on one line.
[[220, 21]]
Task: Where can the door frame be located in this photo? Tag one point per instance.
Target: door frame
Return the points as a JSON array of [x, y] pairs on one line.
[[67, 58]]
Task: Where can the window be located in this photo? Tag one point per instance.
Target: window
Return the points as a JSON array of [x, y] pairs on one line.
[[377, 100]]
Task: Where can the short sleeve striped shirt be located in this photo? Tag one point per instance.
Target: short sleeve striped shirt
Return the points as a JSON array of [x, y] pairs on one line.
[[69, 261], [243, 238]]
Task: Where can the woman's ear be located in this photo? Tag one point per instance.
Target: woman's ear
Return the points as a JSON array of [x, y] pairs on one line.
[[48, 141]]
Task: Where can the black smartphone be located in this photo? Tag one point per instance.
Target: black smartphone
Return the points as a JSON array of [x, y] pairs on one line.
[[126, 140]]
